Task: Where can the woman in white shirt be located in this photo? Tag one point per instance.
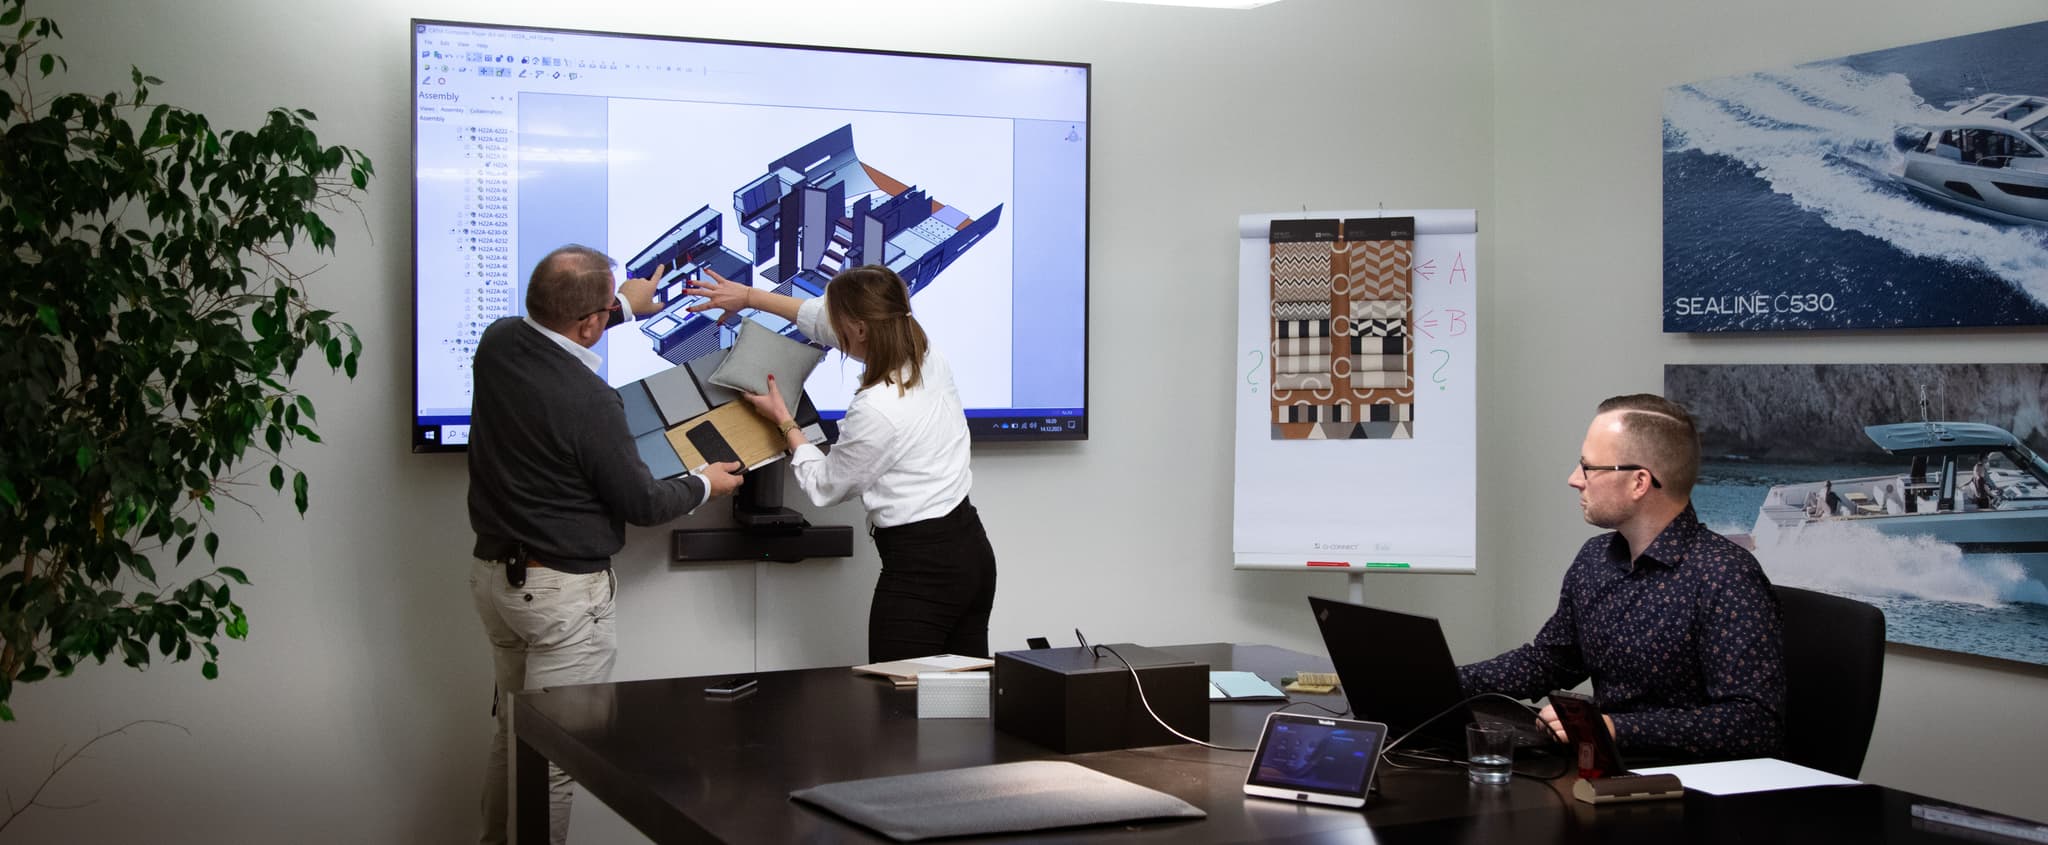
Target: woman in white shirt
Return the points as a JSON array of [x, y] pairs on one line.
[[903, 449]]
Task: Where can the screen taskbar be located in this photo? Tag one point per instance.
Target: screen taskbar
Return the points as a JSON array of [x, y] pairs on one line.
[[451, 433]]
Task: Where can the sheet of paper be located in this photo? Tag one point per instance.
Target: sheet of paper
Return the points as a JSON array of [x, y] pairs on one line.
[[1734, 777], [1227, 685], [952, 662]]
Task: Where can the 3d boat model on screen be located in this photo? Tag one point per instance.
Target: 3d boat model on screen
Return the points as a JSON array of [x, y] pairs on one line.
[[811, 213]]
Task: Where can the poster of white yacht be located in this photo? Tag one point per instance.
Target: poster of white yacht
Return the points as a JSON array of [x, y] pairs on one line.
[[1919, 488], [1900, 188]]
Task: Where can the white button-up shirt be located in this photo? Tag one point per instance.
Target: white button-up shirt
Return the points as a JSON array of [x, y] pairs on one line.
[[904, 453]]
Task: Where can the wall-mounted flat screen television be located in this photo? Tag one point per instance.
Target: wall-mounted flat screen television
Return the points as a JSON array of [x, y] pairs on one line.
[[773, 164]]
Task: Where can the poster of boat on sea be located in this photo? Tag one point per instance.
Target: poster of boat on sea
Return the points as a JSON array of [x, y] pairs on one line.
[[1900, 188], [1921, 489]]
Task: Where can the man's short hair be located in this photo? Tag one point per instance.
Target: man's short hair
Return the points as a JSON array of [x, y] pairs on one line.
[[1659, 433], [569, 284]]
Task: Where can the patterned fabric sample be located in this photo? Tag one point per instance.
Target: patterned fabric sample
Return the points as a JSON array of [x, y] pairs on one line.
[[1302, 346], [1363, 345], [1302, 291], [1351, 280], [1301, 328], [1379, 309], [1301, 381], [1291, 364], [1301, 262], [1315, 413], [1379, 328], [1302, 310]]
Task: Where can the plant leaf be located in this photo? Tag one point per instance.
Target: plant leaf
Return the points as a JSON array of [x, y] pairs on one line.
[[210, 670], [236, 574]]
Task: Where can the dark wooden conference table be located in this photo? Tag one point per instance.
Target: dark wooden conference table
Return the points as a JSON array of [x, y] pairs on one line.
[[682, 766]]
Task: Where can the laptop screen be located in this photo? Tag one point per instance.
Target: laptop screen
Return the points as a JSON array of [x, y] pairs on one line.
[[1396, 668]]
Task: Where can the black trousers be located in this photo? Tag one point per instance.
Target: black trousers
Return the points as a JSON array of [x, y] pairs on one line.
[[938, 583]]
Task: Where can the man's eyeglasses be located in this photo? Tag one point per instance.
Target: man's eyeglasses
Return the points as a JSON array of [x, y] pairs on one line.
[[605, 310], [1587, 470]]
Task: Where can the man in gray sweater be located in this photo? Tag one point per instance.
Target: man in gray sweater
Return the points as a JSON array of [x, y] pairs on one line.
[[553, 478]]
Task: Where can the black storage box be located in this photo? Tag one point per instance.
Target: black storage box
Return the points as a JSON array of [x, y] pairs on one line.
[[1072, 701]]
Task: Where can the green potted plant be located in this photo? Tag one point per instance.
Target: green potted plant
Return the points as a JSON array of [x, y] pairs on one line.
[[150, 325]]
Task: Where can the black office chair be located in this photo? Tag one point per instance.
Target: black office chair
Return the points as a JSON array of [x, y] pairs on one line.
[[1834, 667]]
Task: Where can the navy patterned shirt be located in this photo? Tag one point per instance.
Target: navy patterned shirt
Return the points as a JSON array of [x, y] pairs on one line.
[[1683, 645]]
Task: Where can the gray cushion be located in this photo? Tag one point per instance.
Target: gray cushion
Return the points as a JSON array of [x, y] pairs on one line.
[[758, 352], [1007, 797]]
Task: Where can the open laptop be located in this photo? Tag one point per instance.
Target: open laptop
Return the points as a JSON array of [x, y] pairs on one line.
[[1396, 668]]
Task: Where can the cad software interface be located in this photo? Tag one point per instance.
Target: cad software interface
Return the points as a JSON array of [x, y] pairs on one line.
[[771, 165]]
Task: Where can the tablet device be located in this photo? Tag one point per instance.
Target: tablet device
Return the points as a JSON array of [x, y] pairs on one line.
[[1587, 733], [1316, 759]]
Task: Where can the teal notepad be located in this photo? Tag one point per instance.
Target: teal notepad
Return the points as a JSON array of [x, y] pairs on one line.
[[1238, 686]]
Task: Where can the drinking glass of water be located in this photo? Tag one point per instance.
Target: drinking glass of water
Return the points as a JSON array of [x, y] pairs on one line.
[[1489, 753]]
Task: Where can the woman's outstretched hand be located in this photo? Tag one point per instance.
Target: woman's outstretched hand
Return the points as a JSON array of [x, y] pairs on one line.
[[720, 293]]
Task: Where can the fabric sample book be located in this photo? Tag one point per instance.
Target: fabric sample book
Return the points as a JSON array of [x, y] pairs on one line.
[[1342, 360]]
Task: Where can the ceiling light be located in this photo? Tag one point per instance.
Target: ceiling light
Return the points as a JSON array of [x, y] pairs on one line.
[[1206, 4]]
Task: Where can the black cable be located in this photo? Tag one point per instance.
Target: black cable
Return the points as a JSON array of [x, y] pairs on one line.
[[1569, 765], [1387, 757], [1448, 710], [1341, 714], [1148, 702]]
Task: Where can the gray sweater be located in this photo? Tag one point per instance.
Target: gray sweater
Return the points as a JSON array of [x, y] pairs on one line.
[[552, 465]]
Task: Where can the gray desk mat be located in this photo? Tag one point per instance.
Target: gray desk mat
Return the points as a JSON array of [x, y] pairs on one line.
[[1002, 798]]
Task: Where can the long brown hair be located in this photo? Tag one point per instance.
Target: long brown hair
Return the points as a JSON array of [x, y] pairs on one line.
[[874, 296]]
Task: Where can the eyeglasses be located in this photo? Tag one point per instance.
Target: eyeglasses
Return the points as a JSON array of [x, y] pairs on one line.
[[605, 310], [1587, 470]]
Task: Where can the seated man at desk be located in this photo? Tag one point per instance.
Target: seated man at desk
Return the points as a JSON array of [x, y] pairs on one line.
[[1675, 625]]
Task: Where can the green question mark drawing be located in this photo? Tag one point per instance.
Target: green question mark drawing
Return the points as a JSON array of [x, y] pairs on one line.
[[1258, 360], [1437, 375]]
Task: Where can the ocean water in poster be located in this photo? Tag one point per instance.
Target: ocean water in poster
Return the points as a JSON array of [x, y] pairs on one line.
[[1900, 188]]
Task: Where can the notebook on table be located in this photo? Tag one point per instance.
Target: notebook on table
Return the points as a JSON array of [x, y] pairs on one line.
[[904, 672], [1396, 668]]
